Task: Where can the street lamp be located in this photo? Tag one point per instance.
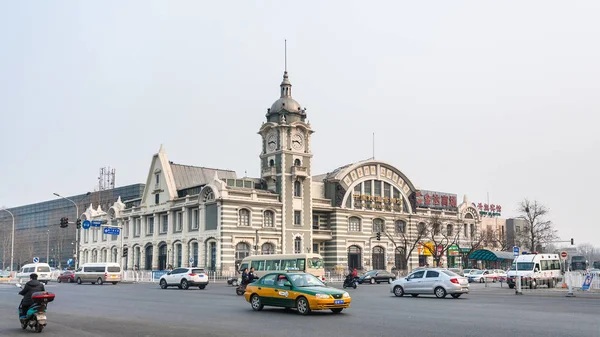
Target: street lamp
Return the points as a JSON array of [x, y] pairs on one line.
[[12, 243], [48, 248], [76, 230]]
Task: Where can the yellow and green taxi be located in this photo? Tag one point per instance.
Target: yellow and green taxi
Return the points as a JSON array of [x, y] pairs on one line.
[[295, 290]]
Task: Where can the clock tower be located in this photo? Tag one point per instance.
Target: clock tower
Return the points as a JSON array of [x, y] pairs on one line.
[[286, 166]]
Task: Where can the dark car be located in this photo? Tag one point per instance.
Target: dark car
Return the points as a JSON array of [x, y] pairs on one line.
[[377, 276], [67, 276]]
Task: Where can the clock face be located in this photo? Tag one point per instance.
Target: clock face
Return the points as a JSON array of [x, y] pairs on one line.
[[271, 142], [297, 141]]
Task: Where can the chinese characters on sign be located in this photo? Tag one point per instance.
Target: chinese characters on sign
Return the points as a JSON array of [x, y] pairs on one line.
[[377, 202], [429, 199], [489, 210]]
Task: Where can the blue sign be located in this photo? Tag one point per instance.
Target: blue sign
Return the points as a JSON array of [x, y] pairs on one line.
[[191, 260], [112, 231], [516, 251], [36, 259], [86, 224], [156, 274], [587, 283], [70, 262], [96, 223]]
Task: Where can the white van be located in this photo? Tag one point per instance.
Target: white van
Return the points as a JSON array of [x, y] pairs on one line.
[[99, 273], [535, 269], [41, 269]]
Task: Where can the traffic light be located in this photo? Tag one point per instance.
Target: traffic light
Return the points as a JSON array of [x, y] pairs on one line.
[[378, 236], [572, 242], [78, 222], [124, 251], [64, 222]]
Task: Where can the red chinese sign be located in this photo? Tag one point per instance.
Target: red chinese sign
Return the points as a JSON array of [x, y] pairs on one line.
[[429, 199], [489, 210]]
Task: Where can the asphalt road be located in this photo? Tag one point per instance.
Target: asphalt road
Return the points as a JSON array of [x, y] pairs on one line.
[[146, 310]]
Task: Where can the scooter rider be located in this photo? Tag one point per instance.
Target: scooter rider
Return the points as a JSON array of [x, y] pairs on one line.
[[245, 276], [251, 276], [30, 287]]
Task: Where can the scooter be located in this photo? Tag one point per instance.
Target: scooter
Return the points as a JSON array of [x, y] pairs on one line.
[[232, 281], [350, 282], [35, 318], [241, 288]]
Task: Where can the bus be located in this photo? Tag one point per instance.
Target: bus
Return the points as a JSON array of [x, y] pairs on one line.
[[579, 262], [309, 263]]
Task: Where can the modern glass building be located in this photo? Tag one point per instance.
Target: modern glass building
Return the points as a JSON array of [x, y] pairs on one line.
[[37, 226]]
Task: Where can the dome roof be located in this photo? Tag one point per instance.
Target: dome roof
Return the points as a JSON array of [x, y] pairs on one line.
[[285, 103]]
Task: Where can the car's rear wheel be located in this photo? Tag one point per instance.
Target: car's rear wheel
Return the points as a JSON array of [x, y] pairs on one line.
[[184, 284], [455, 295], [202, 286], [256, 303], [58, 280], [99, 281], [398, 291], [162, 284], [372, 281], [440, 292], [302, 306], [337, 310], [78, 280]]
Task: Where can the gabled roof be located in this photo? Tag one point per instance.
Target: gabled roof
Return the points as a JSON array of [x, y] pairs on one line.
[[186, 176]]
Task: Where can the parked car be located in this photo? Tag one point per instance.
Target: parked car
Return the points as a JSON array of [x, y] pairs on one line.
[[67, 276], [376, 276], [482, 276], [184, 278], [467, 272], [435, 281]]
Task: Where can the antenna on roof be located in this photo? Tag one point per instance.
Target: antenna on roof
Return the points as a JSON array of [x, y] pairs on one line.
[[373, 145], [285, 54]]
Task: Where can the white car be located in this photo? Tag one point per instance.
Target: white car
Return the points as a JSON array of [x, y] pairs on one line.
[[184, 278], [436, 281]]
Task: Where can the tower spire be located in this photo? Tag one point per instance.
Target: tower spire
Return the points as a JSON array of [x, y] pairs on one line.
[[286, 86], [285, 55]]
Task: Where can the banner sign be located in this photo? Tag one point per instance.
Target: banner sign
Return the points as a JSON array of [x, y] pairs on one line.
[[488, 210], [437, 200]]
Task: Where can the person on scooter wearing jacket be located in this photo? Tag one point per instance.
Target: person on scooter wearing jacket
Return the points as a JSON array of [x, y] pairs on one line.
[[30, 287]]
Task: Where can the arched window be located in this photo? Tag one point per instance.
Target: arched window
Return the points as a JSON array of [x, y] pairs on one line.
[[162, 257], [378, 225], [354, 257], [468, 216], [208, 195], [378, 257], [298, 245], [194, 254], [400, 227], [297, 162], [148, 265], [297, 188], [244, 217], [267, 248], [242, 250], [421, 228], [354, 224], [115, 255], [271, 163], [178, 255], [268, 220]]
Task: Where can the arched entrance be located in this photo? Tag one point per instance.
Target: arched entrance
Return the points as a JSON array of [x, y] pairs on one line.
[[242, 250], [354, 257], [162, 257], [148, 254], [378, 257]]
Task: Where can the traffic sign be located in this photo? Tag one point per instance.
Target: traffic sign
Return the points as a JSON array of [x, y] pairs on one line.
[[112, 231], [516, 251], [563, 255], [70, 262], [96, 223], [36, 259], [86, 224], [191, 260]]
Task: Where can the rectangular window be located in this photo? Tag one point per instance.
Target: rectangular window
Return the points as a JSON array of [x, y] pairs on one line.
[[150, 230], [157, 198], [315, 222], [377, 188], [95, 236], [386, 190], [103, 236], [297, 218], [315, 248], [126, 229], [195, 219], [179, 221], [137, 228], [165, 223], [272, 265], [466, 234], [367, 187], [258, 265], [157, 179]]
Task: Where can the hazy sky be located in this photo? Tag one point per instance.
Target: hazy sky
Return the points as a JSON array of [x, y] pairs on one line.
[[465, 97]]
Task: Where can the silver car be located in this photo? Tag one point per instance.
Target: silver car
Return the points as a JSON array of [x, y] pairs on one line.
[[438, 282]]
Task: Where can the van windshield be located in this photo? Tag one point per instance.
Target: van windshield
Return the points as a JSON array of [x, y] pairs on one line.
[[523, 266]]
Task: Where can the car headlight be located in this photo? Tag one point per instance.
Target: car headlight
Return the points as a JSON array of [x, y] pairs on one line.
[[346, 295], [322, 296]]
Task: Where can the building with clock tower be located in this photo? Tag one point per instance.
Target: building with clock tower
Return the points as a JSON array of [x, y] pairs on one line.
[[286, 167]]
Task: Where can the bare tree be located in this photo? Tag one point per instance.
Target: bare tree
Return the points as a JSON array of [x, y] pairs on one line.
[[537, 231], [405, 241], [587, 250], [473, 241], [493, 238], [440, 238], [5, 241]]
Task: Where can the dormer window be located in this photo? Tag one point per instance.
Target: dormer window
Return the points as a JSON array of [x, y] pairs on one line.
[[157, 178]]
